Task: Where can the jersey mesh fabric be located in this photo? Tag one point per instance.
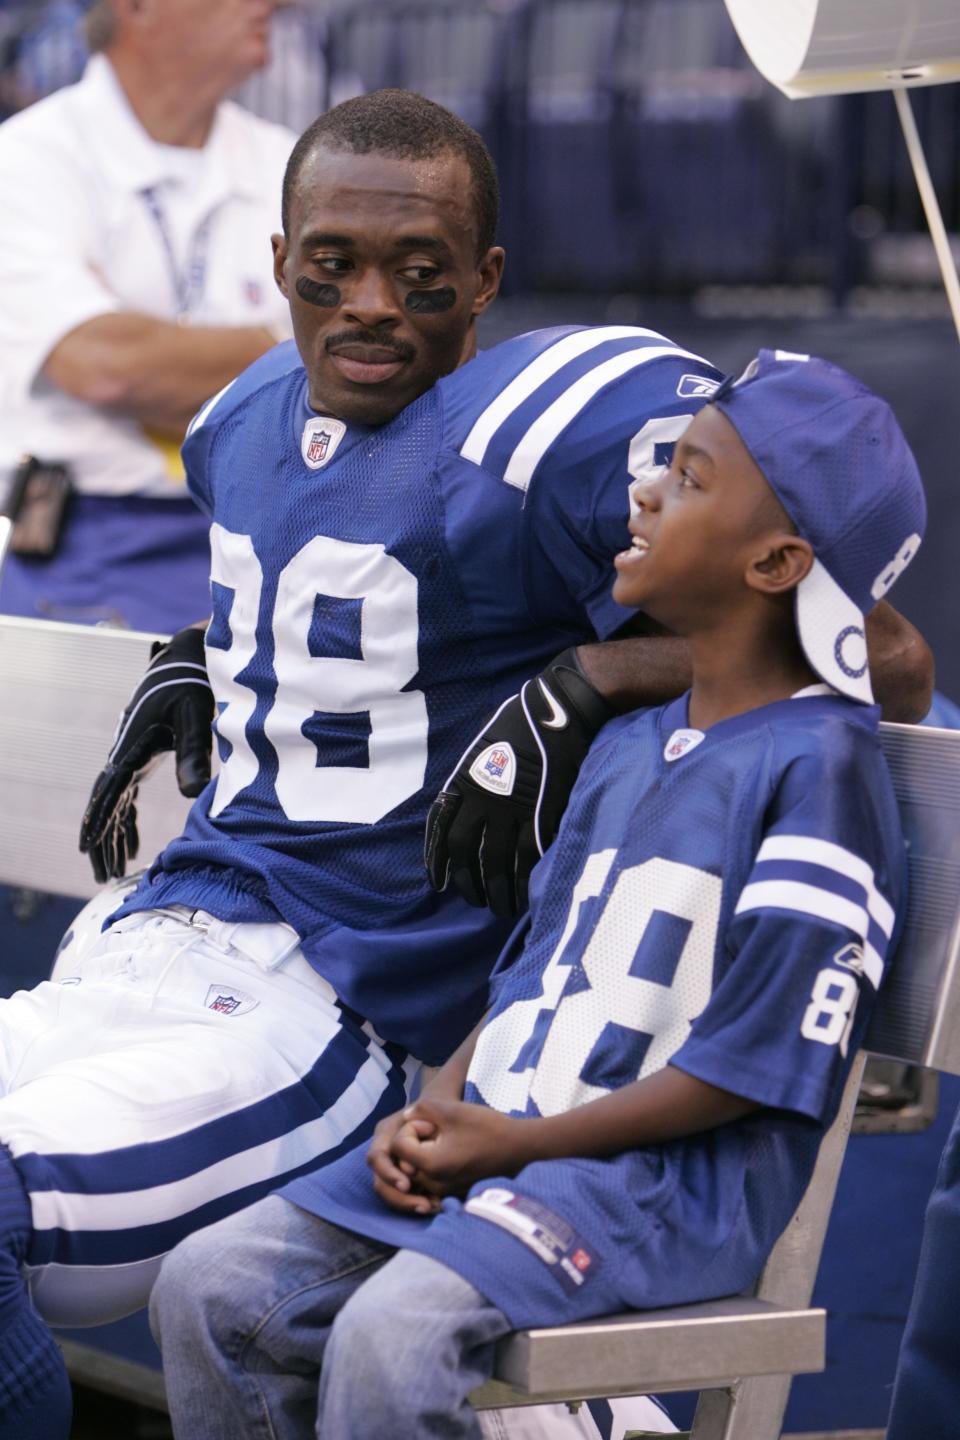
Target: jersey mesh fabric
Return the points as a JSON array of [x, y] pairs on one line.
[[639, 956], [381, 488], [448, 585], [353, 888]]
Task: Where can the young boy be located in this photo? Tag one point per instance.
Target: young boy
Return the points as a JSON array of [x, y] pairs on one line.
[[637, 1118]]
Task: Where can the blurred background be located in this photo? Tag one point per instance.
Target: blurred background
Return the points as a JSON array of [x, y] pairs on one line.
[[651, 176]]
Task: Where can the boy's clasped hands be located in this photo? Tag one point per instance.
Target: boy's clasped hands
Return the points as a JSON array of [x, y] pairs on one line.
[[435, 1148]]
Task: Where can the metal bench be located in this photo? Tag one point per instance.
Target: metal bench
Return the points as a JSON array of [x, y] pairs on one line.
[[63, 688]]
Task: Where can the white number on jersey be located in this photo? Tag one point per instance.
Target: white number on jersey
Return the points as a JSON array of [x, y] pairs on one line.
[[642, 462], [306, 683], [833, 1004], [234, 565], [615, 996]]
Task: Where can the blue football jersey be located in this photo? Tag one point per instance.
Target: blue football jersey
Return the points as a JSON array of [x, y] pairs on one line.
[[375, 593], [724, 902]]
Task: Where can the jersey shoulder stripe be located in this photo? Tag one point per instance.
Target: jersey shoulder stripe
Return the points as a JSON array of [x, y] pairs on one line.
[[274, 365], [513, 431], [812, 851], [535, 374], [539, 437], [825, 881]]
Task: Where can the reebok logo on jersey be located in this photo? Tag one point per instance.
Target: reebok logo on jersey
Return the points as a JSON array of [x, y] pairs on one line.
[[227, 1001], [495, 769], [321, 436], [681, 742], [696, 387], [851, 958]]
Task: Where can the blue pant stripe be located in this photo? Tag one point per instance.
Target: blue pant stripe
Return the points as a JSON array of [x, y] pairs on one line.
[[172, 1159], [602, 1416], [119, 1247]]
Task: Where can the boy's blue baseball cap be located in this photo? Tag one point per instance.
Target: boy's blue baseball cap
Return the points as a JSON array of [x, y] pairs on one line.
[[837, 460]]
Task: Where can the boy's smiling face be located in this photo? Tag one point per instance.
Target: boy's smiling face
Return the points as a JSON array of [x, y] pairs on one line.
[[698, 529]]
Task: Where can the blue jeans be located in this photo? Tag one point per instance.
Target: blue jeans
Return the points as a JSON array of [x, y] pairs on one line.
[[248, 1310]]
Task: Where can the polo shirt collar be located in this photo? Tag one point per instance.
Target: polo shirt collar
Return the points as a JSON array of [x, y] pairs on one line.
[[135, 161]]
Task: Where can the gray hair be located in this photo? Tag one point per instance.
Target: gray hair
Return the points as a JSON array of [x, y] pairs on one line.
[[100, 25]]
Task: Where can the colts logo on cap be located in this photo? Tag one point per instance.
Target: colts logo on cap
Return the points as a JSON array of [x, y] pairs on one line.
[[321, 436], [850, 651]]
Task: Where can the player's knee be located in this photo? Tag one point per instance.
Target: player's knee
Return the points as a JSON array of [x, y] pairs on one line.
[[16, 1219], [179, 1305], [34, 1389]]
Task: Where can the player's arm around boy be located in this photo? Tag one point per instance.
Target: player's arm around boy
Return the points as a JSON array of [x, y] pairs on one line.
[[637, 1117]]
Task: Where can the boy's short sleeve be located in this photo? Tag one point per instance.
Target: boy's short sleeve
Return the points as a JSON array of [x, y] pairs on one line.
[[809, 937], [577, 490]]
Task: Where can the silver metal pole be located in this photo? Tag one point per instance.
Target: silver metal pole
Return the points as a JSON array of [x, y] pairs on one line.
[[931, 207]]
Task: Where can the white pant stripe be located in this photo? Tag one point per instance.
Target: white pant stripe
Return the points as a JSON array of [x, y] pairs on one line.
[[153, 1205]]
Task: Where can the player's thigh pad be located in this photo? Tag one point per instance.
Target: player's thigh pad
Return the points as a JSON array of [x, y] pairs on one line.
[[172, 1081]]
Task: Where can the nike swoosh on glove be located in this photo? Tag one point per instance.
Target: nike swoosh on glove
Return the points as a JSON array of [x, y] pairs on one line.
[[502, 805], [171, 709]]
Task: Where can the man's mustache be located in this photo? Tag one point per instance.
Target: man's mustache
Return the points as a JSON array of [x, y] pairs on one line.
[[402, 349]]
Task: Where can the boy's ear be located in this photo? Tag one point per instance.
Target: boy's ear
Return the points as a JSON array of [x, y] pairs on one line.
[[784, 561]]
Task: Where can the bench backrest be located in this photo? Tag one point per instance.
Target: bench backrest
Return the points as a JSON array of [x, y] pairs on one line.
[[63, 688], [917, 1017]]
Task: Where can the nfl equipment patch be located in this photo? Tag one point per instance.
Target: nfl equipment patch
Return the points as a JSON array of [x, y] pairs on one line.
[[225, 1000], [681, 742], [495, 769], [321, 436]]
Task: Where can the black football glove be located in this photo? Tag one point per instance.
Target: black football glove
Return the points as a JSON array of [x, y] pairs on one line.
[[502, 805], [171, 709]]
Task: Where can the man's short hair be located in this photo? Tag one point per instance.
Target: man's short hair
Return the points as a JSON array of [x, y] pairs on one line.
[[99, 25], [404, 124]]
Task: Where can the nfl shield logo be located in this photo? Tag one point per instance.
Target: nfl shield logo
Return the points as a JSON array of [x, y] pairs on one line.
[[321, 436], [224, 1000], [681, 742], [495, 769], [225, 1004], [318, 447]]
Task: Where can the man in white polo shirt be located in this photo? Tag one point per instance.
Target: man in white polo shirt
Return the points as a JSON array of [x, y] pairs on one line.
[[136, 281]]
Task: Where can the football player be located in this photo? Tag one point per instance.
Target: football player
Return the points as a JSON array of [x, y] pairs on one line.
[[398, 540], [637, 1117]]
